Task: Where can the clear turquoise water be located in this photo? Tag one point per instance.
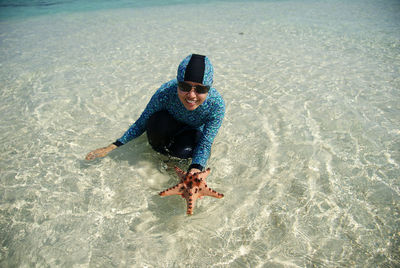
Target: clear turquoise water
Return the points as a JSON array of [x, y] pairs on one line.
[[21, 9], [308, 156]]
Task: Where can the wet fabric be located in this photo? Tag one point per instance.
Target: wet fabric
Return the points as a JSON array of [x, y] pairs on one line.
[[170, 137]]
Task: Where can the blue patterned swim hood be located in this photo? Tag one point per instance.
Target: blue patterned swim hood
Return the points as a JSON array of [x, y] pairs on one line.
[[196, 68]]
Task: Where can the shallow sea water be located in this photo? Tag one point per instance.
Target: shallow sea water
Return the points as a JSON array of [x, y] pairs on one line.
[[308, 155]]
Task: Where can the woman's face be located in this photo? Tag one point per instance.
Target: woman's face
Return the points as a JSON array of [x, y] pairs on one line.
[[191, 100]]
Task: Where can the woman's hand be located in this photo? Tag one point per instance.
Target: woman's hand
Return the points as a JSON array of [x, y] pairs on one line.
[[101, 152]]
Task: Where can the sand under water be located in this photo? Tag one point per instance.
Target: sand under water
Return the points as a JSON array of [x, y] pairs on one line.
[[307, 158]]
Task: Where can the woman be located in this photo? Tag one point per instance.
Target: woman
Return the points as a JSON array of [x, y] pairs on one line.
[[182, 117]]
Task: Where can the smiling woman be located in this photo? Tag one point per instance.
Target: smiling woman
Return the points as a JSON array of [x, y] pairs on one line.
[[183, 116]]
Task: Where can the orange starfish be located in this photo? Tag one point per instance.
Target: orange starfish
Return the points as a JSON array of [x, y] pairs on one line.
[[191, 187]]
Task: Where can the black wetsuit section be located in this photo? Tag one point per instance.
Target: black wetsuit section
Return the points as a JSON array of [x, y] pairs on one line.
[[168, 136], [118, 143], [195, 69]]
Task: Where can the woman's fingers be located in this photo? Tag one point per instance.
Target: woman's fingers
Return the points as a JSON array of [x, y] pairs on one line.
[[96, 153], [90, 156]]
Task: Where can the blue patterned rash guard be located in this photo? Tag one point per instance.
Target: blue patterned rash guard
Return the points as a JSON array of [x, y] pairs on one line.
[[207, 117]]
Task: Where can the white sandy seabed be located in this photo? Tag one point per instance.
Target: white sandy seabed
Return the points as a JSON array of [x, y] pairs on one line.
[[308, 156]]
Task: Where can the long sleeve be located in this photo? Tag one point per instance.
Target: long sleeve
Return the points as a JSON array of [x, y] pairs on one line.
[[210, 130], [157, 103]]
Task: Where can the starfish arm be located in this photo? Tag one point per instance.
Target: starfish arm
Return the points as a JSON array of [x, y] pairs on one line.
[[204, 174], [176, 190], [180, 173], [190, 205], [210, 192]]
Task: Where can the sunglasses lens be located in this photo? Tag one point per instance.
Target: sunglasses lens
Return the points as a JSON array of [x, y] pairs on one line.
[[185, 87], [200, 89]]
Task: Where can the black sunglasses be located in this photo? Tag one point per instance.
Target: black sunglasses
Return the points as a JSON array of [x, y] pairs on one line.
[[199, 89]]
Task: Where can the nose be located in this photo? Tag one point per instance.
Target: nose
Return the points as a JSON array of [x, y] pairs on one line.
[[192, 93]]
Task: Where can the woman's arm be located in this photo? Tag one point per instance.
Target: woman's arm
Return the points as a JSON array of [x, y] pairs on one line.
[[101, 152], [156, 103], [210, 130]]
